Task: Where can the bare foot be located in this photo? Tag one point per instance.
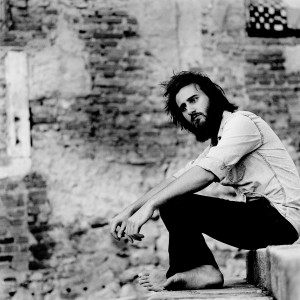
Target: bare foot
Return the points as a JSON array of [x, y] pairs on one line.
[[206, 276], [202, 277], [154, 280]]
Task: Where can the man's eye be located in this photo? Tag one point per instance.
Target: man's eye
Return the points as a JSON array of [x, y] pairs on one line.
[[183, 108]]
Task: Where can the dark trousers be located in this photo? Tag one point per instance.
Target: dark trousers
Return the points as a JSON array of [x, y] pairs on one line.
[[250, 225]]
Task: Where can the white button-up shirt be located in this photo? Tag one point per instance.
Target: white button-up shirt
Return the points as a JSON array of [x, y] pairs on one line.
[[251, 158]]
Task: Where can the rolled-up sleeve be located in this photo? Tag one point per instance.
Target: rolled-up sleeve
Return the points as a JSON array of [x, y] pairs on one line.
[[240, 137], [191, 163]]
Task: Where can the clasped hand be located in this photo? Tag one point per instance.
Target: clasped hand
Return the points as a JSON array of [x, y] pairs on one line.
[[125, 225]]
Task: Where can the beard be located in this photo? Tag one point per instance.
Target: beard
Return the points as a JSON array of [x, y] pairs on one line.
[[206, 126]]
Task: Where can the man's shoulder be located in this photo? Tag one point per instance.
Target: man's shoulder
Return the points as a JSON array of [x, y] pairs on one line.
[[241, 117], [245, 113]]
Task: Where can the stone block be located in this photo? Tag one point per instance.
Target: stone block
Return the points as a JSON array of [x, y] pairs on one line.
[[258, 268], [285, 271]]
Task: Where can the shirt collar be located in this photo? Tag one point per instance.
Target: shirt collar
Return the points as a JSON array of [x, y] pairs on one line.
[[225, 117]]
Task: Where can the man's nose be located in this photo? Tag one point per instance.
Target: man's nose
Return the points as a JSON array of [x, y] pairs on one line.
[[190, 110]]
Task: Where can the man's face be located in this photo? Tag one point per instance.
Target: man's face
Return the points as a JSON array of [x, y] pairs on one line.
[[194, 105]]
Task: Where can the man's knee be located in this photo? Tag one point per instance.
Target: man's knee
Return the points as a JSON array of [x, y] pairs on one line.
[[176, 209]]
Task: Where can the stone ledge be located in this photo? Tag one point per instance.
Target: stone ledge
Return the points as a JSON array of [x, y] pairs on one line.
[[237, 290], [277, 269]]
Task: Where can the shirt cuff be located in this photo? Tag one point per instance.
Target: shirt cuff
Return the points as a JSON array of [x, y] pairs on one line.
[[215, 166]]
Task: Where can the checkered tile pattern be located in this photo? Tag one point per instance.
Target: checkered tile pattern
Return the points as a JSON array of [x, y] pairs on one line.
[[267, 17]]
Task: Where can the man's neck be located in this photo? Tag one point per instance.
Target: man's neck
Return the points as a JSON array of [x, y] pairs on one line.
[[219, 127]]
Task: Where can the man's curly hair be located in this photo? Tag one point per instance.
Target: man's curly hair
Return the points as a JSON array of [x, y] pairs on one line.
[[214, 92]]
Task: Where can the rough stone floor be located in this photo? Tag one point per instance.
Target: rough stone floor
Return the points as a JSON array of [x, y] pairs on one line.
[[235, 290]]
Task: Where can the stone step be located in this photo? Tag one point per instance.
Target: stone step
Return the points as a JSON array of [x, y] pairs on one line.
[[235, 290], [277, 269]]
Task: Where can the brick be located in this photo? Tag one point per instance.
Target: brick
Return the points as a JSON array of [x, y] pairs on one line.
[[4, 258], [35, 210], [46, 119], [109, 74], [102, 35], [22, 239], [106, 67], [285, 271], [11, 186], [109, 43], [20, 264], [294, 110], [16, 213], [111, 20], [20, 3], [39, 228], [10, 249], [5, 265], [103, 82], [130, 33], [293, 79], [7, 240], [132, 21], [115, 54], [12, 203], [37, 197], [34, 180], [88, 20], [17, 222], [120, 13], [3, 232], [279, 81], [24, 248]]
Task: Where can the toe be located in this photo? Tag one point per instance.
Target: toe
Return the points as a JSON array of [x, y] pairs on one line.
[[144, 278], [141, 281], [146, 284], [155, 289]]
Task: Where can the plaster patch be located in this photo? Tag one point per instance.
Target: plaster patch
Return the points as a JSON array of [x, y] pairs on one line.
[[292, 59], [61, 69]]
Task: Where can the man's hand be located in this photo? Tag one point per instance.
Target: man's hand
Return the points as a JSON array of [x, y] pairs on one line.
[[137, 220], [118, 225]]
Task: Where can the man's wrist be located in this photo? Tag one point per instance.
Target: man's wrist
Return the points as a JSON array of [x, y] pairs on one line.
[[152, 204]]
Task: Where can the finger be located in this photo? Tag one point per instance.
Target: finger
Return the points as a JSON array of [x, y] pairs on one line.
[[137, 237], [128, 236], [113, 230], [144, 278], [121, 230], [131, 239], [142, 281], [129, 229]]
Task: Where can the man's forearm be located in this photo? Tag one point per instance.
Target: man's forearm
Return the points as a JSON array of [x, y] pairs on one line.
[[141, 201], [192, 181]]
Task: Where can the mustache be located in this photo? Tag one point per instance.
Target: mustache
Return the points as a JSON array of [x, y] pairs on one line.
[[195, 115]]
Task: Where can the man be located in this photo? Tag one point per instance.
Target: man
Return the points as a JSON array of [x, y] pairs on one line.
[[244, 153]]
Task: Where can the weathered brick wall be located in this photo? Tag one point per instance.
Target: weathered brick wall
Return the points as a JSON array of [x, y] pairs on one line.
[[273, 82], [100, 137]]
